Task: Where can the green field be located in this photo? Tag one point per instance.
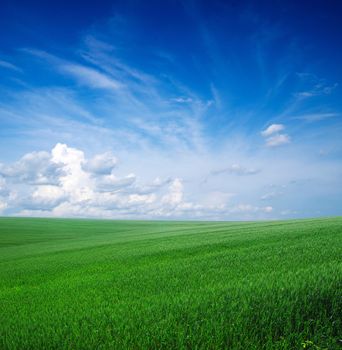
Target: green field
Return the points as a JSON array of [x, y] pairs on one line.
[[92, 284]]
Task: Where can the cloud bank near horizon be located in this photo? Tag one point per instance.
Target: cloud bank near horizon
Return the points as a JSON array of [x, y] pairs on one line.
[[64, 183]]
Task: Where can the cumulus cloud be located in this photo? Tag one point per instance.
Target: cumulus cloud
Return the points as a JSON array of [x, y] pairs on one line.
[[64, 182], [44, 197], [34, 168], [154, 186], [3, 192], [175, 194], [274, 137], [49, 195], [111, 182], [3, 205], [101, 164], [3, 189], [75, 181], [141, 198]]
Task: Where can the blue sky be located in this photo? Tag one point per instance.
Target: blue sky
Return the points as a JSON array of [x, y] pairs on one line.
[[220, 110]]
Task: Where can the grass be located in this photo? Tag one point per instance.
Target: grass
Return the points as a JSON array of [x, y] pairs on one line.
[[88, 284]]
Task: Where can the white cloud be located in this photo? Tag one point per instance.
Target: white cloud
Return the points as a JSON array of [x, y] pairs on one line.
[[182, 99], [152, 187], [3, 188], [142, 198], [48, 193], [89, 187], [75, 181], [90, 77], [277, 140], [3, 205], [111, 182], [267, 209], [218, 198], [101, 163], [34, 168], [81, 193], [175, 194], [272, 129], [45, 197], [273, 136], [236, 169], [3, 192]]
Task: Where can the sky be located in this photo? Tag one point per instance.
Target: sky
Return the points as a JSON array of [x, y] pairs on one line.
[[196, 110]]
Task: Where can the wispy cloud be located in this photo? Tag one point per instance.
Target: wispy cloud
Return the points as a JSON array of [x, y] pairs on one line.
[[272, 129], [90, 77], [9, 65], [316, 117], [277, 140], [271, 195], [236, 169], [314, 86], [138, 103]]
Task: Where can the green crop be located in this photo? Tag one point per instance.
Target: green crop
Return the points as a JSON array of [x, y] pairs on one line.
[[96, 284]]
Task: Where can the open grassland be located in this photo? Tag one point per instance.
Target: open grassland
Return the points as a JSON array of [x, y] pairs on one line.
[[88, 284]]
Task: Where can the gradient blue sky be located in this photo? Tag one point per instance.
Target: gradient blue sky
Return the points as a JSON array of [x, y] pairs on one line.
[[221, 110]]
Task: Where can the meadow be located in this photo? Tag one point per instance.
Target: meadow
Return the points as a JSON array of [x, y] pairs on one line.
[[101, 284]]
